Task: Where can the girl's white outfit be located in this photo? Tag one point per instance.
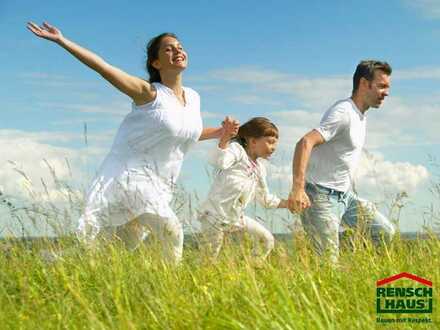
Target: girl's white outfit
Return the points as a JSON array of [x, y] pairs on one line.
[[138, 176], [237, 182]]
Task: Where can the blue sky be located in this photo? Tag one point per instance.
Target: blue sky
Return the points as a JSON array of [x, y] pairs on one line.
[[287, 60]]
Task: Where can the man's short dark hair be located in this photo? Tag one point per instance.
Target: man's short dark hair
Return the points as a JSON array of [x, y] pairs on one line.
[[366, 69]]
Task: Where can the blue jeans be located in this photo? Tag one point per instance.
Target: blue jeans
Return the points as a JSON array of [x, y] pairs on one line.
[[330, 208]]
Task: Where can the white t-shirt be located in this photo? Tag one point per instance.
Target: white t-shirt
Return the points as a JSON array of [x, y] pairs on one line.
[[237, 182], [333, 163]]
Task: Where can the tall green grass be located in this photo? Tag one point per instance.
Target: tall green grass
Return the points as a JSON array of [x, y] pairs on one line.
[[109, 287]]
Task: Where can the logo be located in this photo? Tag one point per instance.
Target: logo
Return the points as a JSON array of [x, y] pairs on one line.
[[415, 298]]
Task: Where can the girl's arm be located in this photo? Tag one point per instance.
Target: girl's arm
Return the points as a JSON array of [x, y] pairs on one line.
[[264, 197], [139, 90]]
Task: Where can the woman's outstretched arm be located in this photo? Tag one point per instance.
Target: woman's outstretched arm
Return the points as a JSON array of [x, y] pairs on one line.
[[211, 133], [217, 132], [139, 90]]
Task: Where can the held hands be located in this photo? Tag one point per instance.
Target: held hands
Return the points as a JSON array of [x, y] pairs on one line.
[[230, 128], [298, 201], [45, 31]]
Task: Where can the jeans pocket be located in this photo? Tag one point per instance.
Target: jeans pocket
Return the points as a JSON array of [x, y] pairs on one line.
[[318, 197]]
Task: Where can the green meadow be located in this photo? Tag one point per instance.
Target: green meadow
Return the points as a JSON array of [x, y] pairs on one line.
[[105, 286], [108, 287]]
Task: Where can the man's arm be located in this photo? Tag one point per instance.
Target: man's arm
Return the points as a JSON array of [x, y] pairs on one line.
[[298, 199]]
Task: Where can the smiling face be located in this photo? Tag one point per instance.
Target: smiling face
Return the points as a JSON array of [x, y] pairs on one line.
[[262, 147], [377, 89], [171, 56]]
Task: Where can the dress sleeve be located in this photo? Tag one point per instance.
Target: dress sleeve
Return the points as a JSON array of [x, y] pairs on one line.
[[263, 196], [225, 158], [335, 120]]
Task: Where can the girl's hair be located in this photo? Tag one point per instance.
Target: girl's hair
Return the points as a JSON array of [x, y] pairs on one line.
[[153, 47], [256, 127]]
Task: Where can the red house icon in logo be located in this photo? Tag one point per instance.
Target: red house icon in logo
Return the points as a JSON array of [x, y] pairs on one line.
[[404, 275]]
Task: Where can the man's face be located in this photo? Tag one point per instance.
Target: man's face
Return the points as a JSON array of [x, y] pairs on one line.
[[377, 89]]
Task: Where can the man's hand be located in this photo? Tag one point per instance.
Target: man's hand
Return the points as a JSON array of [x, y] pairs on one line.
[[298, 201]]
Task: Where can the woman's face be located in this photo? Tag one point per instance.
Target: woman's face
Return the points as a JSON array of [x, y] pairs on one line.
[[171, 56]]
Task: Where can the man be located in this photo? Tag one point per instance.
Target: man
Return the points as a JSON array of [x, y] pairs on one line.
[[322, 187]]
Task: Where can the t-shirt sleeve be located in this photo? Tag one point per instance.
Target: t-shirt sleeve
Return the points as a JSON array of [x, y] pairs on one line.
[[263, 196], [334, 121], [225, 158]]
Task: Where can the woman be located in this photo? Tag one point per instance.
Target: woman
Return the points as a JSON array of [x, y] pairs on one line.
[[135, 183]]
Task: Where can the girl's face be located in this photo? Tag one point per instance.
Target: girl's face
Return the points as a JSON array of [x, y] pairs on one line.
[[263, 147], [171, 55]]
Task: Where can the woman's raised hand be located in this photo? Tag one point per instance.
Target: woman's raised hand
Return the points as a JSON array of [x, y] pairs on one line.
[[45, 31]]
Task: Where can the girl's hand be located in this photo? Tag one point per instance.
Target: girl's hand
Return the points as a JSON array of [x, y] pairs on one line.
[[45, 31]]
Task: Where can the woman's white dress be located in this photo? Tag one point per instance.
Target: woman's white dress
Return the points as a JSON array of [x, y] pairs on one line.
[[139, 174]]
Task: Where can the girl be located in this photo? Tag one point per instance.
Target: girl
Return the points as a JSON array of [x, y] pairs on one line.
[[134, 186], [239, 179]]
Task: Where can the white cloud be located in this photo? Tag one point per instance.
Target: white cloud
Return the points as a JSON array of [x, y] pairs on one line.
[[292, 125], [43, 179], [212, 115], [321, 93], [427, 8], [313, 92], [379, 181], [282, 173], [44, 79], [252, 99], [398, 123], [202, 149], [204, 88], [374, 173], [114, 109], [96, 141], [17, 137], [29, 165], [401, 121], [375, 176], [42, 76], [300, 118], [48, 179], [91, 96], [249, 75], [417, 73]]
